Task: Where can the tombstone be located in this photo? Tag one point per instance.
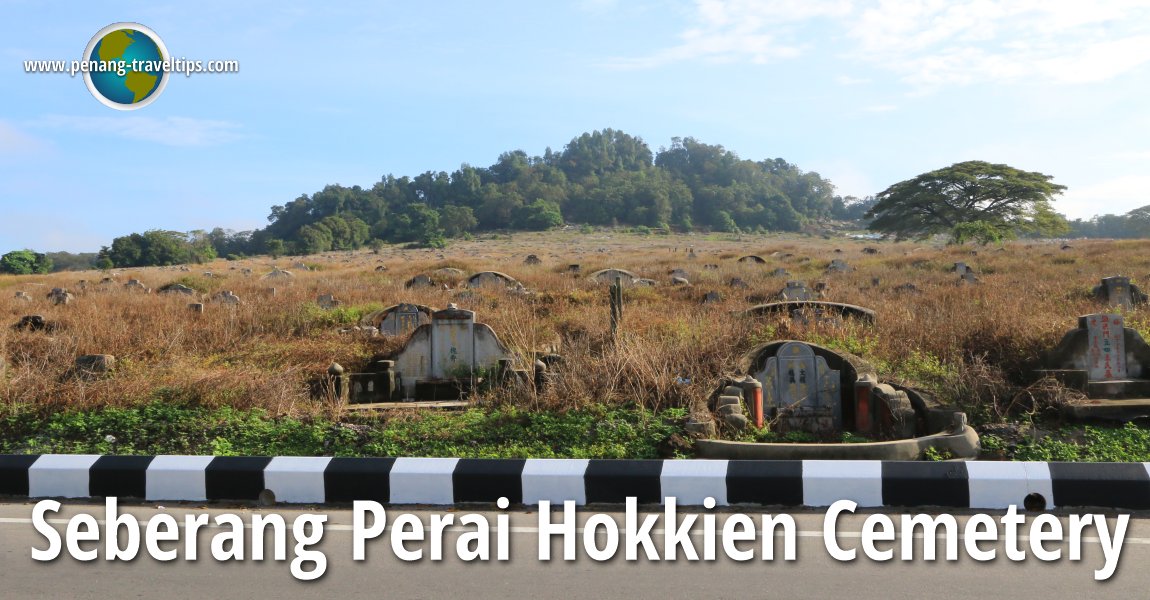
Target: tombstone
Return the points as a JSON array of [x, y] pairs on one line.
[[679, 273], [574, 269], [1109, 363], [246, 272], [94, 365], [34, 323], [327, 301], [712, 297], [738, 283], [1106, 358], [452, 349], [645, 282], [800, 383], [60, 296], [869, 250], [381, 268], [134, 284], [226, 297], [421, 280], [751, 258], [532, 260], [811, 388], [960, 267], [23, 297], [968, 278], [680, 281], [208, 274], [177, 288], [797, 290], [278, 273], [400, 319], [779, 272], [196, 307], [821, 289], [838, 266], [492, 279], [710, 267], [1118, 291]]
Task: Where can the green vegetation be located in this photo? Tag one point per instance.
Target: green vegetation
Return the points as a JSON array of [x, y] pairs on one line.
[[601, 178], [24, 262], [1129, 443], [970, 200], [159, 248], [164, 428]]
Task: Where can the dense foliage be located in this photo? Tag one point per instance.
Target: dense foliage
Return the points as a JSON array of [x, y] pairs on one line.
[[972, 200], [24, 262], [602, 178]]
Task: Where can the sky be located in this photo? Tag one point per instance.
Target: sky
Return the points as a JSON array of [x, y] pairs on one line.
[[866, 93]]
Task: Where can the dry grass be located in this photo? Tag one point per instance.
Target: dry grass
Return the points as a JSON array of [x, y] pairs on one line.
[[266, 352]]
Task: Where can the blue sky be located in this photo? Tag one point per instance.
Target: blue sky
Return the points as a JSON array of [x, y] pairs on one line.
[[865, 93]]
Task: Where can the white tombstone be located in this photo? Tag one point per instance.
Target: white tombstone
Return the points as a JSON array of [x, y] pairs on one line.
[[1106, 352]]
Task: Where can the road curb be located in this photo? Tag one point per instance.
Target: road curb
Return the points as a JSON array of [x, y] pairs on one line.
[[446, 481]]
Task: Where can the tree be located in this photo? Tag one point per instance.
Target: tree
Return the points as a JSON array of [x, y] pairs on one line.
[[25, 262], [1004, 200]]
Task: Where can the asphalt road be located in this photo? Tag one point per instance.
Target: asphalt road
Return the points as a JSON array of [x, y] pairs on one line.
[[814, 574]]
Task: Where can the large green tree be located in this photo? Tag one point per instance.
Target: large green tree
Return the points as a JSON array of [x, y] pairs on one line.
[[24, 262], [997, 201]]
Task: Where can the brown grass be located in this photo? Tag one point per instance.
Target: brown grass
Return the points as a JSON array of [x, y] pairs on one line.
[[266, 352]]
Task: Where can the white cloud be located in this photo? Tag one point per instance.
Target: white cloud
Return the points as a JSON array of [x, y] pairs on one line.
[[932, 43], [732, 30], [928, 43], [1112, 196], [170, 131], [848, 80]]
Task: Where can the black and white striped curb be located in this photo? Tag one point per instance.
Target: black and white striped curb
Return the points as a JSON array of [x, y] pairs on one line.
[[442, 481]]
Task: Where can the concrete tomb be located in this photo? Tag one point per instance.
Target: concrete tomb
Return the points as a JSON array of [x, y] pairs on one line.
[[60, 296], [444, 358], [1118, 291], [492, 279], [752, 258], [279, 274], [797, 290], [1106, 361], [400, 319]]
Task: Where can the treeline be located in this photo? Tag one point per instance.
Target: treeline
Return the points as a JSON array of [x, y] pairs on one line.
[[1134, 224], [601, 178]]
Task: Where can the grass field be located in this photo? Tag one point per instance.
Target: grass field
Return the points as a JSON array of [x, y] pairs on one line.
[[971, 345]]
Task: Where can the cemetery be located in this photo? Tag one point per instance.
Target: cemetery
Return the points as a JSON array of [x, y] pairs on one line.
[[625, 347]]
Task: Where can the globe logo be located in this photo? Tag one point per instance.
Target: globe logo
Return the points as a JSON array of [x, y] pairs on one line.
[[127, 66]]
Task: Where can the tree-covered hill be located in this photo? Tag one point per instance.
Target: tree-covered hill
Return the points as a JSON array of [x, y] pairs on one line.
[[601, 178]]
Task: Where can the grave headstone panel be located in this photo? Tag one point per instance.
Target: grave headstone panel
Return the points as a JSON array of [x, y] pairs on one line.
[[797, 380], [1106, 356], [403, 319]]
